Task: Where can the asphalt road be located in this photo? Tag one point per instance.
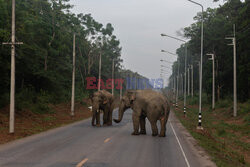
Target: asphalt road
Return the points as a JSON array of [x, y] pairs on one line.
[[80, 144]]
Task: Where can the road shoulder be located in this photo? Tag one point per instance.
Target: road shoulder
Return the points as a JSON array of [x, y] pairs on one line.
[[188, 141]]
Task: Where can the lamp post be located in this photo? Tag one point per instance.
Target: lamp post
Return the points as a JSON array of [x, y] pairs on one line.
[[185, 75], [188, 80], [235, 71], [113, 69], [100, 70], [177, 77], [201, 62], [192, 80], [181, 85], [213, 87], [73, 77]]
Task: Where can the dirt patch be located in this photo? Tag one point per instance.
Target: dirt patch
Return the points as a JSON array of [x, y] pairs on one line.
[[235, 121], [28, 123]]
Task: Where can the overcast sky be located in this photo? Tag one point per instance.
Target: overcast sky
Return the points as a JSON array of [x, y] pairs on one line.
[[138, 25]]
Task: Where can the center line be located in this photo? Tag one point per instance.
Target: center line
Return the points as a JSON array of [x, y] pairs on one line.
[[105, 141], [183, 153], [80, 164]]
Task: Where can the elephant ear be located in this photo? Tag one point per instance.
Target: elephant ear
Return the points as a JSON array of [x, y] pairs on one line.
[[104, 100], [91, 95]]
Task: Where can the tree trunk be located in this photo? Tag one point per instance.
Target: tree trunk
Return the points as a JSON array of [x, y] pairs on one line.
[[81, 77], [46, 56]]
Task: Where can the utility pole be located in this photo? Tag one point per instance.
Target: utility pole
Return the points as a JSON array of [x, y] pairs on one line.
[[73, 77], [174, 90], [13, 43], [188, 70], [113, 68], [185, 81], [177, 86], [182, 85], [235, 77], [200, 118], [201, 62], [192, 80], [100, 70], [121, 91], [213, 87]]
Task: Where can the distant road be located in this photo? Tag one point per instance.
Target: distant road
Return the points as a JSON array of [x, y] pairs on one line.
[[80, 144]]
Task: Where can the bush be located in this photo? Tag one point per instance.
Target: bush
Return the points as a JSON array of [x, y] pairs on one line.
[[27, 98], [193, 100], [244, 108], [224, 103], [4, 99]]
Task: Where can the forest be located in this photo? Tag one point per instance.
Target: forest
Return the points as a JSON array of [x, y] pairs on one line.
[[218, 24], [44, 61]]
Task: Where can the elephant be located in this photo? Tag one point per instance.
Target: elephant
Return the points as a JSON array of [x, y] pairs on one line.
[[102, 100], [145, 103]]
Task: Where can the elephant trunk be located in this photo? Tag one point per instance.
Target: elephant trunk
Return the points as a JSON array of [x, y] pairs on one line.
[[121, 112]]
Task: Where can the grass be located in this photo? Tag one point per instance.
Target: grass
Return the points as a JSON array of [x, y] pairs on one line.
[[224, 137]]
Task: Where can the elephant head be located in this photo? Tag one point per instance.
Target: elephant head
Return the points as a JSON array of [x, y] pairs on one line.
[[98, 101], [125, 103]]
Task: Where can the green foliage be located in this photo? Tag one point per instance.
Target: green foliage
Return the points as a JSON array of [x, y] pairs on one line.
[[225, 141], [224, 103], [244, 108], [218, 24], [193, 101], [44, 61]]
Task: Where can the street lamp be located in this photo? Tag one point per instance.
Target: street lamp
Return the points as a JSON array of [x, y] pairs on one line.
[[166, 61], [177, 77], [169, 52], [202, 9], [185, 82], [165, 67]]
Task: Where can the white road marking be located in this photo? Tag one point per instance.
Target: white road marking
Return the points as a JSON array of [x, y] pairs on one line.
[[183, 153], [80, 164], [107, 140]]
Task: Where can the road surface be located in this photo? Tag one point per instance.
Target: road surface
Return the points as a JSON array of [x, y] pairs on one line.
[[81, 145]]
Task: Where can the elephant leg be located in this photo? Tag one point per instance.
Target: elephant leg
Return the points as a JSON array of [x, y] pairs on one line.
[[105, 117], [142, 125], [154, 127], [98, 119], [163, 127], [110, 113], [136, 120], [93, 118]]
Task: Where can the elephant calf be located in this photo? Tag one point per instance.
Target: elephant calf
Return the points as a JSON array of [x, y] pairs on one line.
[[145, 103], [102, 100]]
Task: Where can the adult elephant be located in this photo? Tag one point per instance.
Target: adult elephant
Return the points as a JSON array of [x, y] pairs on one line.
[[145, 103], [102, 100]]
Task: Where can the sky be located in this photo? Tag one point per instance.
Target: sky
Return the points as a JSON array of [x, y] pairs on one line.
[[138, 25]]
